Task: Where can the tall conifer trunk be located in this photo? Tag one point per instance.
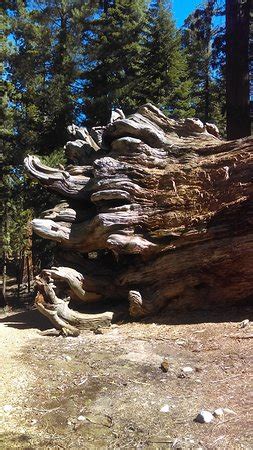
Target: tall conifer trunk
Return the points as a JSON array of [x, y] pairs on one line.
[[237, 68], [5, 256]]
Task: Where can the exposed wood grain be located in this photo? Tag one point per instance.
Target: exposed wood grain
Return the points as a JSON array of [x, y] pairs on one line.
[[167, 206]]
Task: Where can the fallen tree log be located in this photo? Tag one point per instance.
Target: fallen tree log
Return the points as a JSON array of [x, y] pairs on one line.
[[167, 207]]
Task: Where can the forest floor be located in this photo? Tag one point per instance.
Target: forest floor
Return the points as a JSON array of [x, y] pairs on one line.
[[108, 390]]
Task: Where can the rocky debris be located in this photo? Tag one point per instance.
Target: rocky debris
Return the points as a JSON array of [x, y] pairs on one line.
[[207, 416], [204, 417], [98, 331], [181, 342], [7, 408], [81, 418], [187, 370], [245, 323], [165, 409], [101, 330], [34, 421], [229, 411], [218, 413], [165, 365]]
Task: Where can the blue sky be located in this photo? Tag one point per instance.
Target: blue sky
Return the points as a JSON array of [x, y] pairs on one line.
[[182, 9]]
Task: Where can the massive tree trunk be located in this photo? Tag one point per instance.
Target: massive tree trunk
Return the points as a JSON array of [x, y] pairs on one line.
[[237, 68], [157, 212]]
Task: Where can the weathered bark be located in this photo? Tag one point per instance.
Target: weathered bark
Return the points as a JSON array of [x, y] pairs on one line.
[[57, 309], [167, 207], [238, 68]]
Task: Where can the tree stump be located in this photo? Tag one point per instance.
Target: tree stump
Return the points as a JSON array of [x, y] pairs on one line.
[[165, 205]]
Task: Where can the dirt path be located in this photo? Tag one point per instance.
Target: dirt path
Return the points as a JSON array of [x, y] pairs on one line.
[[108, 390], [15, 379]]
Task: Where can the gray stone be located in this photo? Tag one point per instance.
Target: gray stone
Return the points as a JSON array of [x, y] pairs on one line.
[[204, 417], [219, 412], [244, 323], [229, 411], [187, 370], [7, 408], [81, 418], [165, 409]]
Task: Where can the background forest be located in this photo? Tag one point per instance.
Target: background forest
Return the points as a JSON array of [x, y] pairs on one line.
[[73, 61]]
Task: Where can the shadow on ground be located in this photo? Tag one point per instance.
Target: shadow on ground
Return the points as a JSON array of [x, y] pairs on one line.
[[25, 319], [13, 439], [215, 315]]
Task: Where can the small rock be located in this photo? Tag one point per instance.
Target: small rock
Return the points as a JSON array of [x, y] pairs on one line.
[[181, 375], [165, 409], [244, 323], [98, 331], [204, 417], [81, 418], [229, 411], [165, 365], [67, 358], [180, 342], [219, 412], [7, 408], [34, 421], [187, 370]]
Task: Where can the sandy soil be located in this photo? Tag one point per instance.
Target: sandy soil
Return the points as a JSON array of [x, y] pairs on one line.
[[107, 390]]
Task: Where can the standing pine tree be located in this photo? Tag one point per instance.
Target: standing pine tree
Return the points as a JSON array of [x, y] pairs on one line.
[[42, 56], [203, 42], [114, 46], [43, 66], [165, 80]]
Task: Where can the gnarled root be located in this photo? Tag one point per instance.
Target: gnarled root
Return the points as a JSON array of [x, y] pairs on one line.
[[136, 307], [75, 281], [64, 319]]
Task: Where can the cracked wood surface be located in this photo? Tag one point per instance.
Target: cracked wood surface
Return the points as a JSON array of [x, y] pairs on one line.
[[167, 207]]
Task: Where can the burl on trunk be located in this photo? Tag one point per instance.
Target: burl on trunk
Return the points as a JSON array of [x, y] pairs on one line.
[[156, 211]]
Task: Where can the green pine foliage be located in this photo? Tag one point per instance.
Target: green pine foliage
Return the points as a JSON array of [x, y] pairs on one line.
[[43, 67], [42, 56], [17, 216], [165, 81], [204, 47], [114, 48], [56, 158]]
